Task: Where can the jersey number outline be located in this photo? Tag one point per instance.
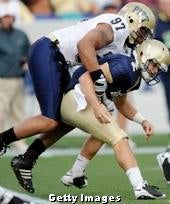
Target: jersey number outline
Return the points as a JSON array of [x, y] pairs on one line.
[[118, 21]]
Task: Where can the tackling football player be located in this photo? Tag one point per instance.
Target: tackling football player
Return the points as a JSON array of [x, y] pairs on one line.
[[49, 58], [123, 74], [99, 36]]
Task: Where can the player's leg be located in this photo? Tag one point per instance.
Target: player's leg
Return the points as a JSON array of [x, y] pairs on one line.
[[29, 127], [53, 81], [86, 121], [47, 80], [116, 138], [76, 175], [128, 163], [22, 165], [90, 147]]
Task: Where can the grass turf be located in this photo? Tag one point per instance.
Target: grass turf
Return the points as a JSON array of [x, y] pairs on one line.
[[76, 141], [104, 175]]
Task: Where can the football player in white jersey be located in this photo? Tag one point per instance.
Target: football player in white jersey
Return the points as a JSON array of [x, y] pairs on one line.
[[48, 64]]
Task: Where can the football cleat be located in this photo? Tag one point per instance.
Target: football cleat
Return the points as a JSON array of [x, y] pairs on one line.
[[3, 147], [23, 172], [71, 180], [146, 192], [164, 163]]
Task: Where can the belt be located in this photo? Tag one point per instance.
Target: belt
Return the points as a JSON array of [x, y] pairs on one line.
[[53, 39], [55, 42]]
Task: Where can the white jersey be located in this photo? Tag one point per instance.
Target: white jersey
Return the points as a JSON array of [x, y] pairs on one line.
[[70, 36]]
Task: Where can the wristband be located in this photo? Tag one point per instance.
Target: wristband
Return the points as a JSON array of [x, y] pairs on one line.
[[138, 118], [97, 74]]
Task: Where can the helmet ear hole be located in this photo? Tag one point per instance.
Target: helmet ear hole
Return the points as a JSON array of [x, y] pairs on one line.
[[141, 53], [131, 21]]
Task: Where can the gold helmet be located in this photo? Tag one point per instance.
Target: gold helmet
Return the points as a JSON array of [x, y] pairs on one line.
[[152, 52], [141, 21]]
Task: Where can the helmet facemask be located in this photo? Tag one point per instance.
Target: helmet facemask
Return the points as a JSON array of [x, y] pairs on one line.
[[137, 37], [149, 77]]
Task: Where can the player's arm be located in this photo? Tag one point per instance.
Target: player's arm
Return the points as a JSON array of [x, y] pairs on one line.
[[129, 111], [87, 46], [95, 39], [99, 109], [125, 107]]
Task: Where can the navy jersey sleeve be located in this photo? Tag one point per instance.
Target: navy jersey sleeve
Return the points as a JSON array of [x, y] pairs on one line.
[[75, 77]]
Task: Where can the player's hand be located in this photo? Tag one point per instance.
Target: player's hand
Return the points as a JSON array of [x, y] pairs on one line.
[[102, 114], [148, 128]]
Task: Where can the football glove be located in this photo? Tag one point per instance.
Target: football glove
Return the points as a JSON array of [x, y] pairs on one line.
[[99, 80], [107, 102], [100, 86]]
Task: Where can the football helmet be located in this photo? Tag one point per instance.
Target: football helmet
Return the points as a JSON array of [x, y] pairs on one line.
[[141, 21], [152, 53]]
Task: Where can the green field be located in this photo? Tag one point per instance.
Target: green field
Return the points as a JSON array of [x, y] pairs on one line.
[[104, 175], [156, 141]]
